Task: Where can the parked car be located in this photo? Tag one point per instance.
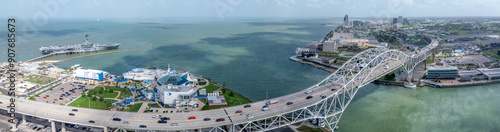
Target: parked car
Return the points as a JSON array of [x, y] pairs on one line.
[[117, 119], [238, 111], [220, 119], [246, 106], [309, 97], [289, 103], [191, 117], [206, 119]]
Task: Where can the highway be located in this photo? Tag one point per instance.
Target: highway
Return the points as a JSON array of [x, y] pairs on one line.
[[103, 118]]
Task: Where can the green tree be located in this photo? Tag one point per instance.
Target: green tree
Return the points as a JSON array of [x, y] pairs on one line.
[[231, 94], [111, 90], [223, 90], [101, 99], [94, 98]]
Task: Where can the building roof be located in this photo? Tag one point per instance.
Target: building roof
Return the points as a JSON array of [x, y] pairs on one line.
[[176, 88], [442, 68], [490, 72]]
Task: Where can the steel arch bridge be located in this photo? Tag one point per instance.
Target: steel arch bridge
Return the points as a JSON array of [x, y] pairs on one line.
[[357, 72]]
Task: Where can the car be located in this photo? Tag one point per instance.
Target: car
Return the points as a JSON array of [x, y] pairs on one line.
[[165, 118], [323, 96], [308, 91], [265, 108], [162, 121], [142, 126], [220, 119], [246, 106], [174, 124], [206, 119], [171, 111], [117, 119], [238, 111], [309, 97], [71, 114], [249, 116], [35, 127], [156, 110], [289, 103], [192, 117], [46, 95], [45, 126], [76, 110], [88, 128], [125, 122], [91, 121], [76, 126], [38, 129], [243, 113], [163, 111], [333, 89], [60, 98], [154, 116]]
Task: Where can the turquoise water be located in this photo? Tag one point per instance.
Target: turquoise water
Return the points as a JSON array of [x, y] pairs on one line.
[[251, 56]]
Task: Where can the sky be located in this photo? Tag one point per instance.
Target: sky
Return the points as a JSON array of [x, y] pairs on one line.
[[246, 8]]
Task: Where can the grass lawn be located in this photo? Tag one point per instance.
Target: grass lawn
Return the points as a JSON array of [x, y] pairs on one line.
[[308, 129], [429, 60], [460, 32], [134, 108], [39, 79], [106, 94], [84, 103], [211, 88], [492, 53], [236, 99], [151, 105]]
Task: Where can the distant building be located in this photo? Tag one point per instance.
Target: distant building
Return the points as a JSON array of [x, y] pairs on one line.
[[480, 74], [400, 19], [347, 24], [394, 20], [406, 22], [446, 72], [384, 44], [357, 23], [330, 46], [90, 74]]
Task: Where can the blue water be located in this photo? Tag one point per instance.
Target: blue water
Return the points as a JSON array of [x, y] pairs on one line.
[[251, 56]]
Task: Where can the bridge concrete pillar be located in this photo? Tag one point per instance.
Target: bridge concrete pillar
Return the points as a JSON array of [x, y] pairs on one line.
[[53, 125], [105, 129], [24, 119], [14, 127], [63, 127]]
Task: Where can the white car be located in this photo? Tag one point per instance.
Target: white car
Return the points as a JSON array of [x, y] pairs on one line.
[[308, 91], [155, 116], [249, 116]]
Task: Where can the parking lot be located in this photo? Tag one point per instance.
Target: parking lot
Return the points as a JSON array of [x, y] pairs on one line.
[[475, 59], [64, 93]]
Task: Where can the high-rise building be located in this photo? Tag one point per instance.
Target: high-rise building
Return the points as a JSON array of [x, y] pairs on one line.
[[394, 20], [405, 21], [400, 19], [346, 21]]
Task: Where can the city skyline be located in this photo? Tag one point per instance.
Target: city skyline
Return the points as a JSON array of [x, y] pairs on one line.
[[256, 8]]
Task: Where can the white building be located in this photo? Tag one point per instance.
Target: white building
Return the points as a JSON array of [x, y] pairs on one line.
[[141, 74], [90, 74], [174, 94]]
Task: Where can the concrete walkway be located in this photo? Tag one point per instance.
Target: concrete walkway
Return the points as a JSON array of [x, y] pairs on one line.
[[143, 107]]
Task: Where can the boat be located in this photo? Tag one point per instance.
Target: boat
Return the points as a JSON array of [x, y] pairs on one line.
[[85, 46], [410, 85]]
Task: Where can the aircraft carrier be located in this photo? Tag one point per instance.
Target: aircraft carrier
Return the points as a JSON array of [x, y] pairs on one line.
[[85, 46]]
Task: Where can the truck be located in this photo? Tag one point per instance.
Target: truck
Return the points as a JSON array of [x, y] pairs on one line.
[[272, 101]]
